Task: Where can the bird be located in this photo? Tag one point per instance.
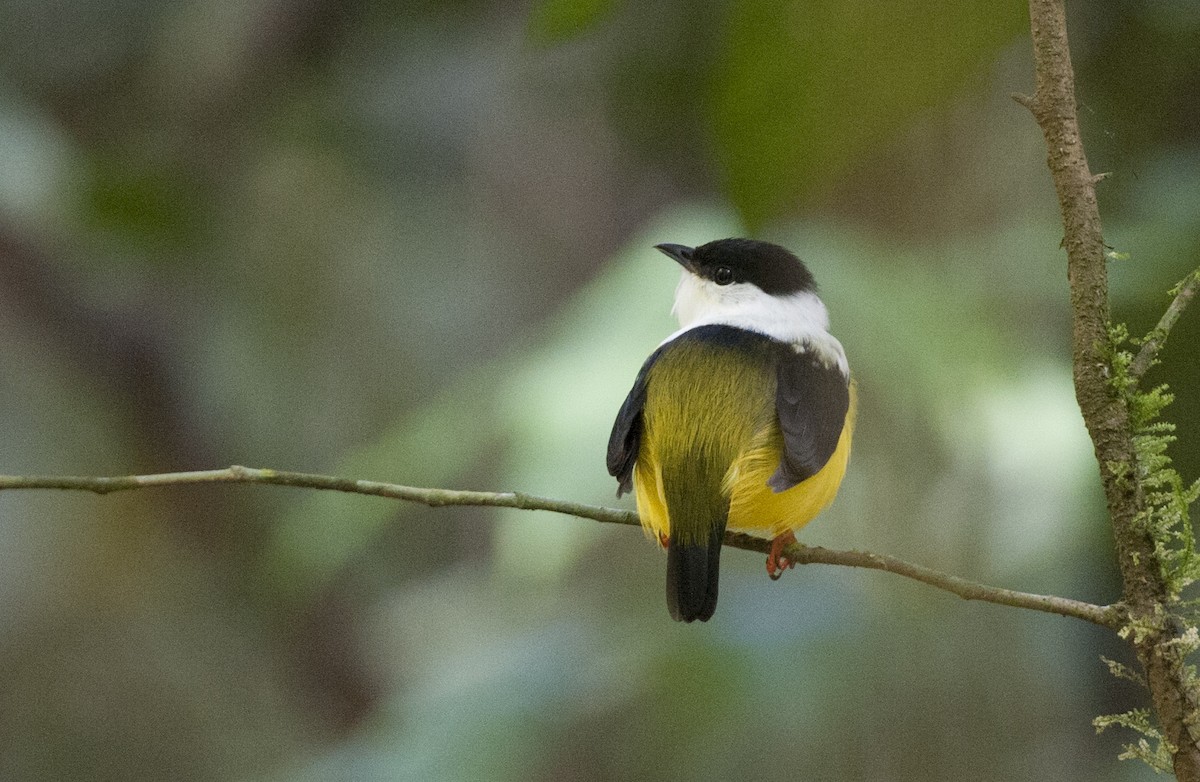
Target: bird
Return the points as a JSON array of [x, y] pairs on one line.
[[741, 420]]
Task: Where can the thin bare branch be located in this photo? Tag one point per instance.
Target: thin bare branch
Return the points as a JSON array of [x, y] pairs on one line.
[[1108, 616]]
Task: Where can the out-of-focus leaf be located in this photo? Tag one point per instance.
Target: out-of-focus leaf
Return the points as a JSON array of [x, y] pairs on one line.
[[144, 205], [553, 21], [804, 87]]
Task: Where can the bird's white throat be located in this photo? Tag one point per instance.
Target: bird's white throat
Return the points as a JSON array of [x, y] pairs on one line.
[[798, 319]]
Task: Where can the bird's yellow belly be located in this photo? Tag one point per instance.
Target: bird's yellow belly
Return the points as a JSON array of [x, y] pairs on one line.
[[757, 510], [753, 507]]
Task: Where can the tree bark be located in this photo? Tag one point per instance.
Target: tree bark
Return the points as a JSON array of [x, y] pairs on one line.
[[1104, 408]]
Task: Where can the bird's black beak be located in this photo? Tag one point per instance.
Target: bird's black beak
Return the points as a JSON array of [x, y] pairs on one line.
[[679, 253]]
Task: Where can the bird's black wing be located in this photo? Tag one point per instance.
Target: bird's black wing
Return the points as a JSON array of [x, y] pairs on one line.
[[811, 400], [626, 437]]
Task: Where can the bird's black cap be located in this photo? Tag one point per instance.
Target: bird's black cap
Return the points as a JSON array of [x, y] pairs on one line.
[[768, 266]]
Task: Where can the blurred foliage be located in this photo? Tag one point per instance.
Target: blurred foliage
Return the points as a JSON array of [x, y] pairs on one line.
[[559, 20], [804, 88], [410, 242]]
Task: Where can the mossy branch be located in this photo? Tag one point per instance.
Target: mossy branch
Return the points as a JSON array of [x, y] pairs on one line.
[[1112, 616], [1128, 452], [1184, 292]]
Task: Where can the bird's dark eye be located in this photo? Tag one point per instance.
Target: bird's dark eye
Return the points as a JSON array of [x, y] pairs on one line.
[[723, 275]]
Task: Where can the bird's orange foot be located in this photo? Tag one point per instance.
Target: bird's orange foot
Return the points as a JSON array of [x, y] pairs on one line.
[[663, 539], [776, 561]]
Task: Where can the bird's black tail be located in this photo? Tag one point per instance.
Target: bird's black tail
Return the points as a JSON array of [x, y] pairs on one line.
[[692, 577]]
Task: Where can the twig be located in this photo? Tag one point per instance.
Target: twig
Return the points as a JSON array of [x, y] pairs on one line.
[[1155, 340], [1108, 616]]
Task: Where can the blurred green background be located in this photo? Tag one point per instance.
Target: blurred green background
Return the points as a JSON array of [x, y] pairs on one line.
[[411, 242]]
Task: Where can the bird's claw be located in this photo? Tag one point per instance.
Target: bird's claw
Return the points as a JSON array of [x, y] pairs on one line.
[[777, 561]]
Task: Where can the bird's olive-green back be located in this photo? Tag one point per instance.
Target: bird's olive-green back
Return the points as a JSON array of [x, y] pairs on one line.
[[706, 403]]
